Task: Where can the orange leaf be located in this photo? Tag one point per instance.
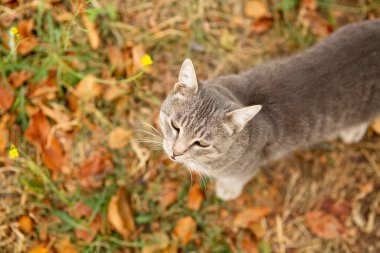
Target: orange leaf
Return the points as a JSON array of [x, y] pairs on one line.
[[195, 197], [6, 98], [376, 126], [315, 22], [120, 214], [16, 79], [184, 229], [87, 88], [247, 244], [26, 224], [255, 9], [88, 236], [324, 225], [93, 171], [116, 58], [244, 218], [64, 246], [169, 193], [39, 249], [38, 133], [261, 25], [92, 32], [28, 40], [119, 138]]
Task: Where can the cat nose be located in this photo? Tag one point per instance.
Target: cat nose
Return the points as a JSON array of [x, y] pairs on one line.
[[176, 153]]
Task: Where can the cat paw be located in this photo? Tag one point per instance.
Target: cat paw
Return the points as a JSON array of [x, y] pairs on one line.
[[227, 192], [353, 134]]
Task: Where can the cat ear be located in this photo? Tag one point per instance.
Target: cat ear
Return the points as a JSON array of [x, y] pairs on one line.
[[236, 120], [187, 80]]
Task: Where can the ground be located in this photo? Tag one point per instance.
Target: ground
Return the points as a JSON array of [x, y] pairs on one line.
[[81, 164]]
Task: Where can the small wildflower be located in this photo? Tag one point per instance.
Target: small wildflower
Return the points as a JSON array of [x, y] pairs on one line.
[[14, 30], [13, 152], [146, 60]]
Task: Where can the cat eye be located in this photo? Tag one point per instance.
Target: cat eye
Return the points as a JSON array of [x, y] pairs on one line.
[[201, 144], [175, 126]]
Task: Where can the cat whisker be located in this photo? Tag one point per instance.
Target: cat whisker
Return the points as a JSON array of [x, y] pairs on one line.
[[149, 133], [152, 127]]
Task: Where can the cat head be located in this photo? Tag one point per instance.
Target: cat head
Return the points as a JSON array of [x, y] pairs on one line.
[[198, 123]]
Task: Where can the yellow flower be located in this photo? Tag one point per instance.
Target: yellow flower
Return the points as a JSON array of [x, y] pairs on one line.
[[13, 152], [14, 30], [146, 60]]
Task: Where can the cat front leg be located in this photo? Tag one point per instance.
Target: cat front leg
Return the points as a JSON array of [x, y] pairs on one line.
[[228, 188]]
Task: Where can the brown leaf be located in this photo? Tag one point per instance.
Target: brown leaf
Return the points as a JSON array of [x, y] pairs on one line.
[[16, 79], [376, 126], [138, 52], [324, 225], [261, 25], [4, 133], [6, 98], [257, 229], [308, 4], [93, 171], [116, 58], [113, 93], [169, 193], [247, 244], [120, 214], [87, 88], [38, 134], [92, 32], [184, 229], [195, 197], [119, 138], [340, 209], [25, 224], [89, 235], [315, 23], [81, 210], [255, 9], [28, 41], [245, 217]]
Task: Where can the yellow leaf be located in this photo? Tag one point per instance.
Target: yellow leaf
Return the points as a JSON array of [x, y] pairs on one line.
[[256, 9], [120, 214], [39, 249], [26, 224], [119, 138]]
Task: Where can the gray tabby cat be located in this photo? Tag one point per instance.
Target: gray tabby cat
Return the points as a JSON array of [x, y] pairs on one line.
[[230, 126]]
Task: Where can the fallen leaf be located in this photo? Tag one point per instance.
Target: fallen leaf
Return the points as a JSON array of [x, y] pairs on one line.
[[93, 171], [4, 133], [113, 93], [25, 224], [157, 243], [169, 193], [116, 59], [120, 214], [313, 21], [184, 229], [81, 210], [16, 79], [89, 235], [119, 138], [308, 4], [257, 228], [261, 25], [87, 88], [27, 41], [227, 40], [39, 249], [64, 246], [6, 98], [38, 134], [195, 197], [138, 53], [324, 225], [245, 217], [92, 32], [247, 244], [255, 9], [376, 126], [340, 209]]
